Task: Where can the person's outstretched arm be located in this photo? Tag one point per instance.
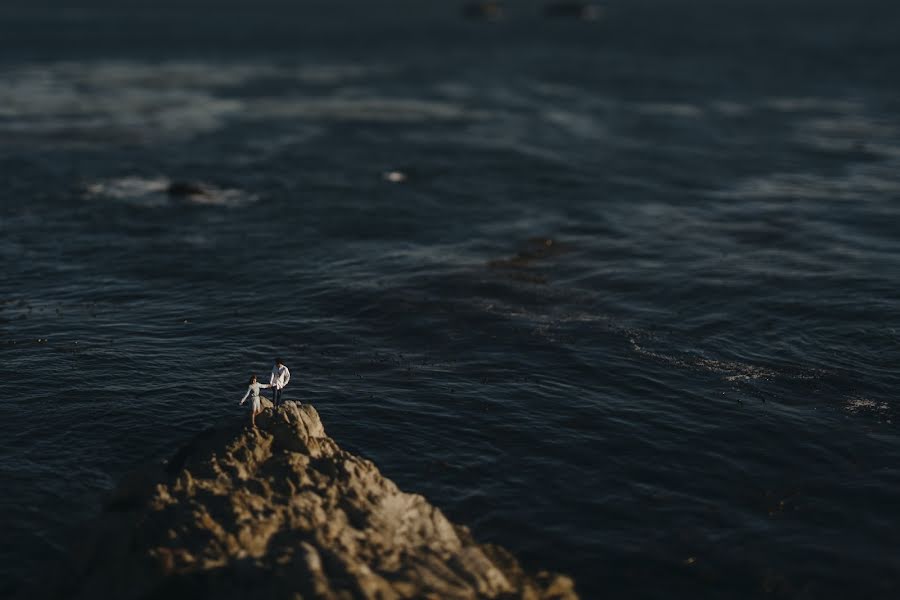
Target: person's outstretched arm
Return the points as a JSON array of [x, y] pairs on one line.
[[244, 399], [265, 385]]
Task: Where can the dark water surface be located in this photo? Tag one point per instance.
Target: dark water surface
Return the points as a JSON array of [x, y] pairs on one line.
[[691, 392]]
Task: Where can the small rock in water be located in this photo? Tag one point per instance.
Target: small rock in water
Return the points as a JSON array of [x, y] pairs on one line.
[[394, 176], [186, 188]]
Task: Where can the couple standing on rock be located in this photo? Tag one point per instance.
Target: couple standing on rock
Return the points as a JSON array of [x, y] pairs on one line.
[[277, 381]]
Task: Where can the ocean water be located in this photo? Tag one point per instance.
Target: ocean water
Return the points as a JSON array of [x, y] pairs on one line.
[[631, 310]]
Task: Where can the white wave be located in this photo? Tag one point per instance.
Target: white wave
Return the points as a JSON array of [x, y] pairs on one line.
[[142, 101], [869, 184], [177, 74], [730, 108], [859, 404], [732, 371], [670, 109], [364, 108], [577, 124], [812, 103], [832, 125], [856, 404], [153, 192], [854, 126], [128, 187], [850, 133]]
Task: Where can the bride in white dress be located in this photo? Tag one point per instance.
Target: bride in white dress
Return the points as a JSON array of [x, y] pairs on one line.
[[253, 393]]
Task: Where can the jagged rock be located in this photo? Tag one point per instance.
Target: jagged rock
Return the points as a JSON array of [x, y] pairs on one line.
[[283, 512], [187, 188]]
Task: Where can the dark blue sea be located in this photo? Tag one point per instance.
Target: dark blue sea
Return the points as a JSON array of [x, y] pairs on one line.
[[621, 295]]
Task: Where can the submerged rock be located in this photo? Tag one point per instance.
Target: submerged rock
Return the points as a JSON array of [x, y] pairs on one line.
[[283, 512], [578, 10], [535, 249], [187, 188], [483, 10]]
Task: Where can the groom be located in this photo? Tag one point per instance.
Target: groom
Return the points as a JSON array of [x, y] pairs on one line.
[[279, 379]]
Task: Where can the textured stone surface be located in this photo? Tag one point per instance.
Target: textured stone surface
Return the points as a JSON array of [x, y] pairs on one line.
[[283, 512]]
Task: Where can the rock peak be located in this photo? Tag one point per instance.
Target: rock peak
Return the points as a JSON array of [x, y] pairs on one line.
[[283, 512]]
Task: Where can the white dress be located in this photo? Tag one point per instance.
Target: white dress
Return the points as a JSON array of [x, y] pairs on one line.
[[253, 392]]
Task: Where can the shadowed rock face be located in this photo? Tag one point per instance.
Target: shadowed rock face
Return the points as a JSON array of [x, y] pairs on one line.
[[186, 188], [283, 512]]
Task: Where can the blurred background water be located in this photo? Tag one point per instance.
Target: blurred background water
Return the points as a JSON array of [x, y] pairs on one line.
[[628, 304]]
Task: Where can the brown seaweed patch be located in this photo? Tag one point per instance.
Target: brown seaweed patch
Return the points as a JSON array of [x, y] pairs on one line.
[[521, 266], [535, 250]]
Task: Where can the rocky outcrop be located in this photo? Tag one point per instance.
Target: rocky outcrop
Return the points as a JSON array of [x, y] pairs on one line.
[[283, 512]]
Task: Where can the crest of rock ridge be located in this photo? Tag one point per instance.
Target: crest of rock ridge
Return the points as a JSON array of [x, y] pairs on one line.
[[283, 512]]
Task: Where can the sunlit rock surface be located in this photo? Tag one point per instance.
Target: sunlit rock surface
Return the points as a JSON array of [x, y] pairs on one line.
[[283, 512]]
